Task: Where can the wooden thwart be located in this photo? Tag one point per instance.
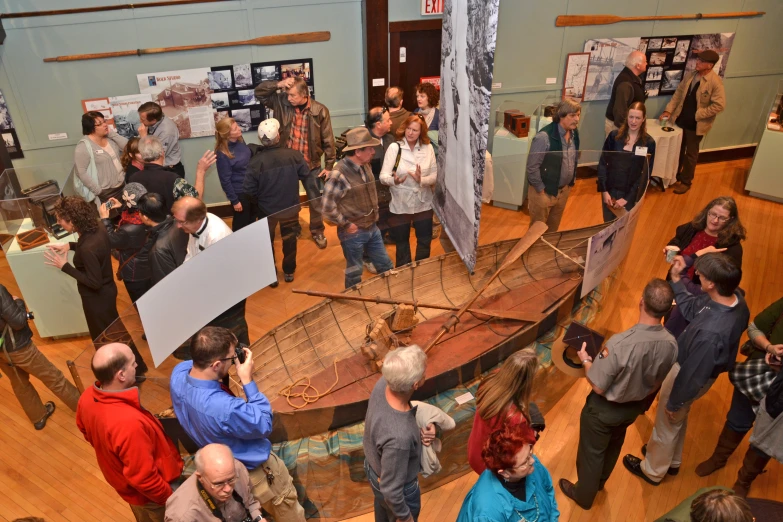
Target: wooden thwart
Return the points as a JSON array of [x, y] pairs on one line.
[[279, 39], [581, 20]]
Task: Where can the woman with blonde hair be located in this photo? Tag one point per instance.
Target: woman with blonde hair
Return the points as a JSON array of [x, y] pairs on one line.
[[131, 158], [232, 159], [503, 397]]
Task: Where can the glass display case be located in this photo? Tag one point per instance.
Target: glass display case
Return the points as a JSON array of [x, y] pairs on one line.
[[765, 180]]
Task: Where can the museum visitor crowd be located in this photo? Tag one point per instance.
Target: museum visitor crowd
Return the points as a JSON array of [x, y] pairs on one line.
[[375, 183]]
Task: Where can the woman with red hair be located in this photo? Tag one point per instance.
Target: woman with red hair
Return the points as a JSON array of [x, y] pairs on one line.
[[515, 486]]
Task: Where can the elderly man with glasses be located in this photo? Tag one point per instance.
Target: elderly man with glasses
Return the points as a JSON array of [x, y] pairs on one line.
[[220, 488], [210, 413]]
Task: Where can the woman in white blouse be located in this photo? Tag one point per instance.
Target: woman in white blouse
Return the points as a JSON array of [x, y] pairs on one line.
[[411, 179]]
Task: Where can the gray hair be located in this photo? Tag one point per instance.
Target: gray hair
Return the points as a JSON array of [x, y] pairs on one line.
[[150, 148], [565, 107], [633, 59], [404, 367], [199, 458], [266, 142]]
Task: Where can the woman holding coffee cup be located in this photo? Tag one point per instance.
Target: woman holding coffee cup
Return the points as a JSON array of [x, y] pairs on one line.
[[717, 228]]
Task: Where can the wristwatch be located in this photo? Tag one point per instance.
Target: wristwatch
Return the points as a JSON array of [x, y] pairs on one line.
[[587, 359], [258, 518]]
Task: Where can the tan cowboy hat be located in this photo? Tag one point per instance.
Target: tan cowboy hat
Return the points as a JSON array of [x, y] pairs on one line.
[[359, 138]]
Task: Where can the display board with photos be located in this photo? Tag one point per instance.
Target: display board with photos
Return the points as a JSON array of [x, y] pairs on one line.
[[669, 59], [232, 88], [8, 131]]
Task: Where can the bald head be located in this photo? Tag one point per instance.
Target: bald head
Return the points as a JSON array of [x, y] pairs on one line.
[[393, 97], [637, 62], [189, 212], [214, 458], [113, 365]]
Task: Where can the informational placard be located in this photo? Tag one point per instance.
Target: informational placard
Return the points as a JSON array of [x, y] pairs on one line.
[[184, 97], [8, 131], [575, 79], [607, 59]]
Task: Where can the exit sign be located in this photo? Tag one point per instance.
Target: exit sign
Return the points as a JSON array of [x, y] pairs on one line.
[[432, 7]]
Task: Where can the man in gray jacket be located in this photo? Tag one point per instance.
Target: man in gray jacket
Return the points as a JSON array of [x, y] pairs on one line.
[[305, 125]]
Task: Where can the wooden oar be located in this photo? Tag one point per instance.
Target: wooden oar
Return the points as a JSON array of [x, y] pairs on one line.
[[580, 20], [279, 39], [530, 317], [535, 231], [104, 8]]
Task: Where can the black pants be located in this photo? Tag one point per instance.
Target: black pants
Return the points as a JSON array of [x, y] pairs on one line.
[[100, 308], [179, 168], [400, 232], [289, 230], [248, 215], [689, 155], [136, 289], [602, 427]]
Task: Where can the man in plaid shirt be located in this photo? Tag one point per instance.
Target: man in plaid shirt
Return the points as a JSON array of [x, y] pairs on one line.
[[305, 125], [350, 201]]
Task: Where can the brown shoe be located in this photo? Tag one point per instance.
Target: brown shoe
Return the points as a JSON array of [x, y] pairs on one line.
[[681, 188], [567, 487]]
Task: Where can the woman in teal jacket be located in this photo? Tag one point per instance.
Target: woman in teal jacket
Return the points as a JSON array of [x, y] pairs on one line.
[[515, 486]]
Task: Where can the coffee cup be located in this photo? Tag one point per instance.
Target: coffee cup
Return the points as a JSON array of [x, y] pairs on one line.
[[671, 252]]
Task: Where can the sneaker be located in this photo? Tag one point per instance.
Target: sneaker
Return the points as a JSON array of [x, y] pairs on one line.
[[320, 241], [370, 267], [289, 278], [49, 410], [681, 188]]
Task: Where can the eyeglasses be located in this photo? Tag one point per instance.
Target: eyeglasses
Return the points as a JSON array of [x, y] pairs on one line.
[[528, 462], [100, 123], [713, 216], [222, 484]]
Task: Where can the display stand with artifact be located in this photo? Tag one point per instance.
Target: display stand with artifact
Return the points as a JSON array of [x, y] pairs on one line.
[[32, 238]]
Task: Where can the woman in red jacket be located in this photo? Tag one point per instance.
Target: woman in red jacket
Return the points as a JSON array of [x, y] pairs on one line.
[[503, 396]]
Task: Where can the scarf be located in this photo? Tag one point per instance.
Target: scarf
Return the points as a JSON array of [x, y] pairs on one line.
[[138, 164], [130, 218], [429, 115]]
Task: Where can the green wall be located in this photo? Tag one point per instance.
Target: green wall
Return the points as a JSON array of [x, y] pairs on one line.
[[45, 98]]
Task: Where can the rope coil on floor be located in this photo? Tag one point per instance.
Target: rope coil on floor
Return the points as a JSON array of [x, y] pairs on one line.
[[308, 398]]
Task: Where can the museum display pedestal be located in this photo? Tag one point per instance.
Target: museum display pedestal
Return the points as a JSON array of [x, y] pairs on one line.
[[765, 179], [667, 151], [49, 293]]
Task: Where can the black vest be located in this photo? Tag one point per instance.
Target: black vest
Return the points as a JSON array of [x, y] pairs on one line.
[[626, 75], [687, 117]]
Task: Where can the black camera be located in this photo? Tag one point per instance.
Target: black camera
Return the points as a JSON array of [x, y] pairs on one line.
[[241, 357]]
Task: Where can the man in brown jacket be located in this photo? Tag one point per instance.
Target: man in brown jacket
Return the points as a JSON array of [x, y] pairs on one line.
[[305, 125], [698, 99]]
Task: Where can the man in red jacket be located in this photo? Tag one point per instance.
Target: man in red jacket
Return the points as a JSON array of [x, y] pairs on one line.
[[135, 455]]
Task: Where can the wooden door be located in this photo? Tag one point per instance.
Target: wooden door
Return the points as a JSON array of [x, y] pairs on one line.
[[421, 40]]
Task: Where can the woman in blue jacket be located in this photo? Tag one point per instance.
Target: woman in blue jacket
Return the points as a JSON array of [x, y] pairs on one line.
[[515, 486], [232, 159], [622, 170]]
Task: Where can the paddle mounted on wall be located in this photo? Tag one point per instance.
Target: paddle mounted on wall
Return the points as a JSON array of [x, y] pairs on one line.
[[581, 20]]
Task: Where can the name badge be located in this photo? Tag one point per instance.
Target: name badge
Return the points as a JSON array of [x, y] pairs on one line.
[[98, 151], [641, 151]]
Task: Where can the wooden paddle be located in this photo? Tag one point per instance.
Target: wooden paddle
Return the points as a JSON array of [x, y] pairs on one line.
[[530, 317], [535, 231], [580, 20], [104, 8], [279, 39]]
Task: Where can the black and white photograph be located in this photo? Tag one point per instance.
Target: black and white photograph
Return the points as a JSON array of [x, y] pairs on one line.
[[219, 115], [654, 43], [295, 70], [247, 97], [607, 59], [467, 64], [219, 80], [681, 51], [11, 142], [643, 45], [5, 116], [312, 91], [220, 100], [652, 89], [242, 76], [671, 79], [669, 42], [657, 59], [719, 42], [654, 74], [264, 73], [8, 140], [242, 117]]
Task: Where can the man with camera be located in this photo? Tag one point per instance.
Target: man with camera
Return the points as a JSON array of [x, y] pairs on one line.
[[135, 455], [210, 413], [624, 377], [21, 359], [220, 488]]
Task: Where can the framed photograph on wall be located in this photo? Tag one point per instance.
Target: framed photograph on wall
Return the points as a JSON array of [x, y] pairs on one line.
[[575, 78]]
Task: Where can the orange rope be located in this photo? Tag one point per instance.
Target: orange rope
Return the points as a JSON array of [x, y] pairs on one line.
[[308, 398]]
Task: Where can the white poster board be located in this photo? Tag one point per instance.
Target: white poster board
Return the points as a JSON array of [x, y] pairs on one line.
[[207, 285]]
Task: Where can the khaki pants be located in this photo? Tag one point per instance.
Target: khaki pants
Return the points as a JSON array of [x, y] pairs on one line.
[[546, 208], [664, 450], [279, 498], [29, 361], [149, 512], [609, 126]]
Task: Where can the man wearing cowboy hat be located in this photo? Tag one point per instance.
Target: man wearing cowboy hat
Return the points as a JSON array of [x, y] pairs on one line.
[[696, 102], [350, 201]]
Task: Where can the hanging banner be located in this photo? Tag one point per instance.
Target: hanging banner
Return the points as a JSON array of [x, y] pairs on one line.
[[467, 62]]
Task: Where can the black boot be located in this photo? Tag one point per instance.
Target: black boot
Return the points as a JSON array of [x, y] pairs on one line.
[[752, 466], [727, 443]]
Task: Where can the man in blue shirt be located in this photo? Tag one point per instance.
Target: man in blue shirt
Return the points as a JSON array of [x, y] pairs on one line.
[[210, 413]]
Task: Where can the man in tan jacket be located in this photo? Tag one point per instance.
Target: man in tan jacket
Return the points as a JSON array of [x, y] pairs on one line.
[[698, 99]]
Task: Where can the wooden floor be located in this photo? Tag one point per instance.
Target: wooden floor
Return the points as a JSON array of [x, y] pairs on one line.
[[53, 473]]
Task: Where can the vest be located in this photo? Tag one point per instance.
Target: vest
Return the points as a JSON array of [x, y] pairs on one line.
[[360, 204], [552, 164], [687, 117], [626, 75]]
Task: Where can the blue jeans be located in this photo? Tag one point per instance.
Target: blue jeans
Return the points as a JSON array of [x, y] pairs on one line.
[[367, 240], [740, 417], [313, 186], [383, 513]]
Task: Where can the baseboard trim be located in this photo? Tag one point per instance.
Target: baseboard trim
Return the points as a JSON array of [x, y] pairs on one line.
[[727, 154]]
